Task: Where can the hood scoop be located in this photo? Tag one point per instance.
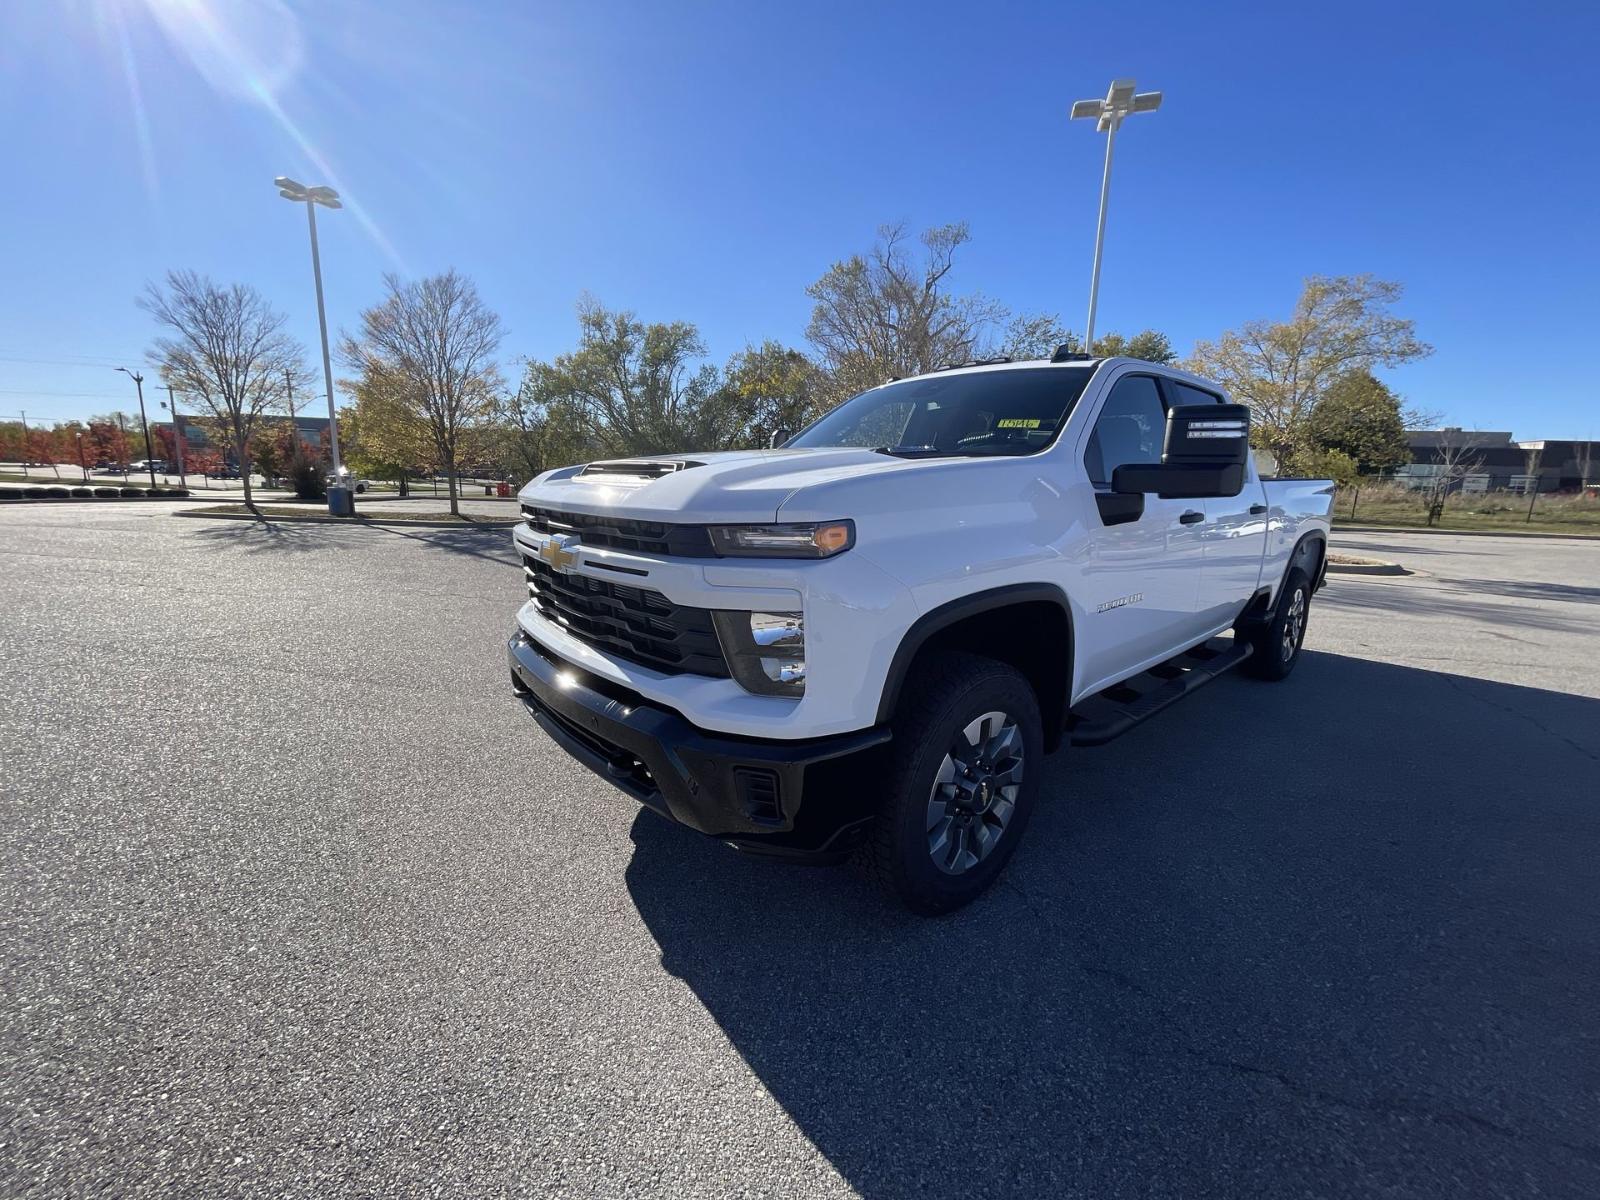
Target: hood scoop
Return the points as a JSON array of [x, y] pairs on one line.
[[641, 470]]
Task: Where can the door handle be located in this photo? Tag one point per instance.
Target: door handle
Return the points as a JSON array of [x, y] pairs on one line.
[[1191, 518], [1257, 509]]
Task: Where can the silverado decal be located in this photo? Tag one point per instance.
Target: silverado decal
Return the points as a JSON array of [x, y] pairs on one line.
[[1120, 601]]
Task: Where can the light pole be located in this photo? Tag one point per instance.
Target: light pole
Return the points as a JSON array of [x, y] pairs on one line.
[[82, 464], [340, 498], [171, 405], [149, 454], [1108, 114]]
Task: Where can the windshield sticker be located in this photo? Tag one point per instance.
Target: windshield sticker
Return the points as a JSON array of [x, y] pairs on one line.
[[1017, 423]]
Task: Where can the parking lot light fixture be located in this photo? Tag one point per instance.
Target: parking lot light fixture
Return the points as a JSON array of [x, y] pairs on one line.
[[340, 499], [149, 454], [1108, 114]]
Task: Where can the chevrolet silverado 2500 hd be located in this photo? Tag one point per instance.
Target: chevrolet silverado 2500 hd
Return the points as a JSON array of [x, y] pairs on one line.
[[869, 637]]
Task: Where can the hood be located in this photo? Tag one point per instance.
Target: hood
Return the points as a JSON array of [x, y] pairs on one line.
[[733, 486]]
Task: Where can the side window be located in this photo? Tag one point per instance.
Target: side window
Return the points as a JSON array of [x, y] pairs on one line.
[[1183, 393], [1129, 429]]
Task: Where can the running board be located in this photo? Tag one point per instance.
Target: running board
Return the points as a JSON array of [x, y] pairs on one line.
[[1111, 713]]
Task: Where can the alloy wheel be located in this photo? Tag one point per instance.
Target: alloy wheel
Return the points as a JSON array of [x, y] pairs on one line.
[[974, 792], [1294, 625]]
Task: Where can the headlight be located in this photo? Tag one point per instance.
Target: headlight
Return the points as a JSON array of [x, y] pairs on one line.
[[820, 540], [766, 651]]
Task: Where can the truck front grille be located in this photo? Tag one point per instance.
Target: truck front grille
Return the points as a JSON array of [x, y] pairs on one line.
[[633, 623], [621, 533]]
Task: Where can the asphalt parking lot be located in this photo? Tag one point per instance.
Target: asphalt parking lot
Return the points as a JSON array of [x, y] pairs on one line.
[[274, 925]]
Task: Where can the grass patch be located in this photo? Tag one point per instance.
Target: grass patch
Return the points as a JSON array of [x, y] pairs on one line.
[[1505, 512]]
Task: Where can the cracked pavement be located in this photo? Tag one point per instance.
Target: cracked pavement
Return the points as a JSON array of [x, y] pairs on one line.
[[277, 925]]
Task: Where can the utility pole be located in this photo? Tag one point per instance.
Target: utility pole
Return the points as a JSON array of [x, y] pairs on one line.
[[177, 433], [149, 454], [123, 426]]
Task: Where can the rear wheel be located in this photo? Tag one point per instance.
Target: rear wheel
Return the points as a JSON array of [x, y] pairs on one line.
[[967, 752], [1277, 643]]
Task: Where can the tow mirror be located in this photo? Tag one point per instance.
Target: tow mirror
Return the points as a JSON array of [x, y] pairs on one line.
[[779, 437], [1204, 454]]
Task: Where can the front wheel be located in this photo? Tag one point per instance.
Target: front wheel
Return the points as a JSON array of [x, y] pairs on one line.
[[966, 758], [1277, 643]]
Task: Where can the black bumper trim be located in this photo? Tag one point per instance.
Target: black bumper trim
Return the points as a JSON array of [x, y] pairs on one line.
[[690, 775]]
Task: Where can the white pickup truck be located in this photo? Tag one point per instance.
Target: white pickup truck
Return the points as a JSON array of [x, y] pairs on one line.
[[868, 638]]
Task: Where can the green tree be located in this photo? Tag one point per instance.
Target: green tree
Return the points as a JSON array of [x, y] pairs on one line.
[[1361, 417], [1326, 463], [1282, 369], [1149, 345], [629, 388], [765, 389]]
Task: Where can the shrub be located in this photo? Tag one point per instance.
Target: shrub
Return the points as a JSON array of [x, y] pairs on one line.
[[11, 493], [58, 493], [83, 492], [36, 492], [130, 493], [307, 481], [178, 491], [106, 493]]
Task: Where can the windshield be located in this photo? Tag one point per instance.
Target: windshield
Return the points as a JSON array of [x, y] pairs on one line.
[[958, 413]]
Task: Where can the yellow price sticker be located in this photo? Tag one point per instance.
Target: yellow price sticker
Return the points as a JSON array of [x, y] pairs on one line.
[[1017, 423]]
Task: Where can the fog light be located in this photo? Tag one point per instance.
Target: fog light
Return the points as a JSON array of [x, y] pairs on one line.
[[765, 651]]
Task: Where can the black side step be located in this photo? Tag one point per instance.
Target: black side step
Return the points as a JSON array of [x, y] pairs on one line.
[[1111, 713]]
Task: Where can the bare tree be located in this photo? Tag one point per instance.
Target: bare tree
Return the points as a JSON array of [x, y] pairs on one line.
[[1582, 458], [1281, 369], [227, 352], [1456, 458], [890, 313], [430, 345]]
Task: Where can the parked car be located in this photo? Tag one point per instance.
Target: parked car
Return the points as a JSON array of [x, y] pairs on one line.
[[158, 465], [869, 638], [357, 485]]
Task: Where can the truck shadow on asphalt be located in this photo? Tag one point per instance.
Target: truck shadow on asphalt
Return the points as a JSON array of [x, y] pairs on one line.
[[1333, 935]]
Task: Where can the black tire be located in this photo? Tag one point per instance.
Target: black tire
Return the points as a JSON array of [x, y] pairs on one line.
[[1277, 642], [943, 699]]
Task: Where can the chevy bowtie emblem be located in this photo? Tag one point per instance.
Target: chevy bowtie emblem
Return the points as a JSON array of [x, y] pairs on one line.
[[556, 553]]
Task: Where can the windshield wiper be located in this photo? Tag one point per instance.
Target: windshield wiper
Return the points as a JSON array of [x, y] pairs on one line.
[[910, 451]]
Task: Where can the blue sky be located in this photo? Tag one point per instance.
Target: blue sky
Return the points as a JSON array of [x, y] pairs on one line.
[[707, 161]]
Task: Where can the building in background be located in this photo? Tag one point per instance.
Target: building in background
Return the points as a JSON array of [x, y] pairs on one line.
[[1493, 460]]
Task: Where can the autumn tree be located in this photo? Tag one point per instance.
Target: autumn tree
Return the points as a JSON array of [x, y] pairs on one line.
[[428, 347], [226, 350], [1282, 369]]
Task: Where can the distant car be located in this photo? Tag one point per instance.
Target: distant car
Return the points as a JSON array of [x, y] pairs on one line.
[[356, 485], [225, 473], [149, 464]]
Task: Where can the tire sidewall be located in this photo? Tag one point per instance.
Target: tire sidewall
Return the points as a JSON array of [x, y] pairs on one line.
[[923, 886]]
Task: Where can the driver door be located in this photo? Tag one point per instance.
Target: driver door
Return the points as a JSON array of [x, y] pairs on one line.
[[1141, 573]]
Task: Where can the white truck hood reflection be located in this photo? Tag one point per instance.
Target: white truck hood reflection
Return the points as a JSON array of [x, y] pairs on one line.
[[734, 486]]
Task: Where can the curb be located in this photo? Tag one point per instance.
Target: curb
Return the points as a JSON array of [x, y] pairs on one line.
[[1339, 528], [348, 523], [1366, 568]]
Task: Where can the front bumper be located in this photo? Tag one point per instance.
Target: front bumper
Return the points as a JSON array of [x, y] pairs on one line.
[[796, 798]]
